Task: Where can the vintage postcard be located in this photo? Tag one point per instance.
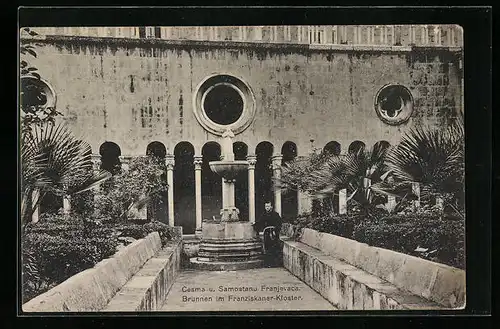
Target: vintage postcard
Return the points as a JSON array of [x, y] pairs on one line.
[[242, 168]]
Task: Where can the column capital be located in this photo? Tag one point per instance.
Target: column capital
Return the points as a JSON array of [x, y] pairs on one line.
[[125, 158], [170, 161], [276, 161], [198, 161], [252, 160]]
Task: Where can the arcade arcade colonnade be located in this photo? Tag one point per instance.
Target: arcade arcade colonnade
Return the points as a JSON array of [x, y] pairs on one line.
[[276, 161]]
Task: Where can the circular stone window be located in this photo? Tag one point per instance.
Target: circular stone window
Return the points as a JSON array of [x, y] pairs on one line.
[[36, 94], [224, 102], [394, 104]]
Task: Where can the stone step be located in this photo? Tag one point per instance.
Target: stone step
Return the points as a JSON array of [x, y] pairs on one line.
[[210, 265]]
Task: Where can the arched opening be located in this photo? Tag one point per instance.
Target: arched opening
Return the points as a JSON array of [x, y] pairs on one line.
[[356, 146], [50, 203], [156, 149], [289, 198], [332, 148], [158, 209], [381, 146], [240, 150], [184, 187], [110, 157], [211, 183], [263, 177]]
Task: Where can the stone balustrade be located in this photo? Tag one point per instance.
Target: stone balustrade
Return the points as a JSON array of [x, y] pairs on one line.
[[353, 275], [142, 265]]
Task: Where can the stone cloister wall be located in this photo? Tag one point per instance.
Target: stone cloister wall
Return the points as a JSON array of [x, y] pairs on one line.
[[135, 91]]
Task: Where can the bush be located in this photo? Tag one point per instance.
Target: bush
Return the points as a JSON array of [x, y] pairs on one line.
[[60, 246], [141, 230], [440, 239], [342, 225], [444, 239], [49, 259]]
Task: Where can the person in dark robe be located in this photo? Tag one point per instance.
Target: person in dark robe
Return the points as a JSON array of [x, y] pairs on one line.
[[270, 222]]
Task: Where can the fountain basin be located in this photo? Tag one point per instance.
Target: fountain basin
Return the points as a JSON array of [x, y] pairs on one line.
[[228, 230], [228, 246], [228, 169]]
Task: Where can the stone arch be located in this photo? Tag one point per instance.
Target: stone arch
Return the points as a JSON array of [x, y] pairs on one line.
[[158, 209], [381, 145], [289, 151], [356, 146], [184, 187], [263, 176], [211, 183], [240, 150], [110, 157], [332, 147], [289, 198], [157, 149]]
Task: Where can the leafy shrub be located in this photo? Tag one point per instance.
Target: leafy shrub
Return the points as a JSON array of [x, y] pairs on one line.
[[56, 257], [342, 225], [141, 184], [440, 240], [60, 246], [141, 230]]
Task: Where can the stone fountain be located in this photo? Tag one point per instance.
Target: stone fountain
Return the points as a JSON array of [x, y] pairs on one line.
[[229, 242]]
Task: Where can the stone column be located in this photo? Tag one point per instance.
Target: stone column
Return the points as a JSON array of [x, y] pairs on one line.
[[391, 202], [35, 216], [304, 203], [66, 204], [96, 165], [124, 161], [415, 188], [169, 161], [276, 159], [252, 160], [197, 179], [343, 201]]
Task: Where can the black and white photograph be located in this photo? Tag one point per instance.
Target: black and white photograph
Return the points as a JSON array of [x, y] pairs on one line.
[[242, 168]]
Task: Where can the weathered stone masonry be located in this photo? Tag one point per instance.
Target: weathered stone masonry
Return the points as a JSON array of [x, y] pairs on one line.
[[133, 92]]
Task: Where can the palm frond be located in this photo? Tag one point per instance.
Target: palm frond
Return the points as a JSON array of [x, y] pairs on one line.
[[432, 157]]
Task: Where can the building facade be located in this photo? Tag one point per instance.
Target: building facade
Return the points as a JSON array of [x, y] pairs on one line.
[[285, 91]]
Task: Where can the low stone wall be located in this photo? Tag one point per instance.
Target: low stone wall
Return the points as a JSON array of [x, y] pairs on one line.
[[354, 275], [148, 288], [92, 289], [190, 248]]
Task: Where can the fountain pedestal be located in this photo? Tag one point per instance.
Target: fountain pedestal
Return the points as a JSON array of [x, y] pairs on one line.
[[228, 246], [228, 243]]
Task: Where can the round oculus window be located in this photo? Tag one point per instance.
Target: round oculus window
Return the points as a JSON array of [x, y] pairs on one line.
[[35, 94], [224, 102], [394, 104]]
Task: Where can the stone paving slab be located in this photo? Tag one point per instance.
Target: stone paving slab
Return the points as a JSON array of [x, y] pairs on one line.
[[264, 289]]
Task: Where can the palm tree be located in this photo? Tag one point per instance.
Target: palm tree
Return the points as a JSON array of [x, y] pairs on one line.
[[324, 175], [434, 158], [53, 160]]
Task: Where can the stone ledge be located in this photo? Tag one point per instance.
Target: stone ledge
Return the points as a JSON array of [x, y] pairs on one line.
[[345, 286], [91, 290], [148, 288], [233, 45], [440, 283]]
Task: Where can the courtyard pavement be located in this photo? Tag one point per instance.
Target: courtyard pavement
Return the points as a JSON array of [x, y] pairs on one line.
[[267, 289]]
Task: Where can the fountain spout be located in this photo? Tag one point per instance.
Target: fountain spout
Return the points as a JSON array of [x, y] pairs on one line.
[[227, 145]]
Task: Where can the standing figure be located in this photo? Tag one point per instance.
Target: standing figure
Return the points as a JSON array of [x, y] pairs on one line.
[[270, 222]]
